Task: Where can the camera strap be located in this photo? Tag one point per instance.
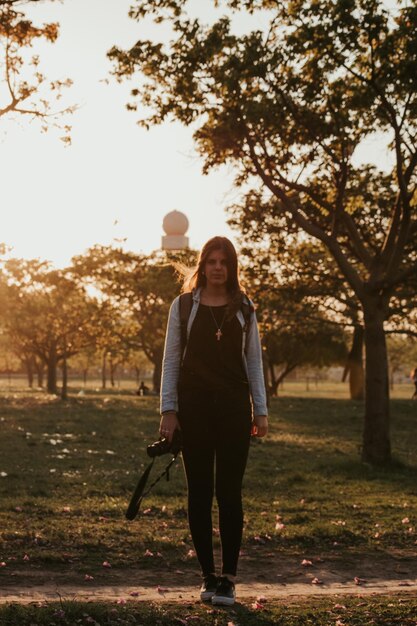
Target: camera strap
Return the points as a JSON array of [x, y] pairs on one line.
[[140, 493]]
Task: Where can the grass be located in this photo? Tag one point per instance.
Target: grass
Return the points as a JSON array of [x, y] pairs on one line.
[[382, 611], [71, 468], [67, 470]]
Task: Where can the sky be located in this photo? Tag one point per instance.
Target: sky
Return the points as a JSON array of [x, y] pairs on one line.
[[116, 181]]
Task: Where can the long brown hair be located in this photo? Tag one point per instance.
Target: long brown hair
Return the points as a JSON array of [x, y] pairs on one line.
[[194, 277]]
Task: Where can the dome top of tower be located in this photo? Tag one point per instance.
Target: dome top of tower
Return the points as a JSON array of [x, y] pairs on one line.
[[175, 223]]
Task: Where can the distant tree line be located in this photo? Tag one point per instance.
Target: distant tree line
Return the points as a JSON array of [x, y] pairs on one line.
[[108, 310]]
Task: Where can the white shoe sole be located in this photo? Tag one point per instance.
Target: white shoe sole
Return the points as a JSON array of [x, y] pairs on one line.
[[206, 596], [222, 600]]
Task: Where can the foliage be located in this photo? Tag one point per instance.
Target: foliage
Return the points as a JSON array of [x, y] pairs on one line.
[[402, 352], [45, 314], [289, 106], [28, 92], [144, 286]]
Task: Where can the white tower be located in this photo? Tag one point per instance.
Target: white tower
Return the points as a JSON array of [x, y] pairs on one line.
[[175, 225]]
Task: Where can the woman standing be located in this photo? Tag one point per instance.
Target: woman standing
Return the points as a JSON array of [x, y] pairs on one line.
[[213, 391]]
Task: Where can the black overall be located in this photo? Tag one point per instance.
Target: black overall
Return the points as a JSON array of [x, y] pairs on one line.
[[215, 419]]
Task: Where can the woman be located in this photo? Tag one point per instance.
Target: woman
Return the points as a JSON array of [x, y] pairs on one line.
[[213, 391]]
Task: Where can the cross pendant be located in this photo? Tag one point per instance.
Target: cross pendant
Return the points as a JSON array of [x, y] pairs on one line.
[[218, 334]]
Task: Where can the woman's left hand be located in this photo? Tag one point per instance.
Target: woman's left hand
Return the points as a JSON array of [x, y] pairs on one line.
[[259, 426]]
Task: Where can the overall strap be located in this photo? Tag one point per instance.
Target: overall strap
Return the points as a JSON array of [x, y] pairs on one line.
[[186, 303]]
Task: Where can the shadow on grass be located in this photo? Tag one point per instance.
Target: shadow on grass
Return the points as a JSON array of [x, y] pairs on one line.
[[71, 467]]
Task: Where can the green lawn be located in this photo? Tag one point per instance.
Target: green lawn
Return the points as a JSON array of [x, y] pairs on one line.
[[71, 468], [67, 471]]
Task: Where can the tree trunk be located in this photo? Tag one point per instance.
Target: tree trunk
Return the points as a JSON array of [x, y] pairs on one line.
[[51, 365], [64, 390], [29, 371], [103, 370], [354, 366], [376, 436], [272, 379], [156, 378], [112, 371], [39, 373], [281, 377]]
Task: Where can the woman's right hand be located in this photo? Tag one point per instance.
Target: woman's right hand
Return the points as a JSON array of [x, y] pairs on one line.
[[169, 422]]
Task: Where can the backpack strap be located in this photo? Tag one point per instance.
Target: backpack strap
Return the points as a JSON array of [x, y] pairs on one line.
[[186, 303]]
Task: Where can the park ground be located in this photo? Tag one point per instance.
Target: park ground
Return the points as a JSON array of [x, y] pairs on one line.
[[327, 540]]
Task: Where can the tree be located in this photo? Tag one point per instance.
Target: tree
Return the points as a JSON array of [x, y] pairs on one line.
[[402, 355], [28, 92], [143, 287], [289, 106], [47, 312], [304, 298], [290, 346]]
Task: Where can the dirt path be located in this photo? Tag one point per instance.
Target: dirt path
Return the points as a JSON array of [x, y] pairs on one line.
[[50, 593], [277, 577]]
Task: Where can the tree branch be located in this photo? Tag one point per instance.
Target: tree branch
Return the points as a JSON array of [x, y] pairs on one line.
[[311, 228]]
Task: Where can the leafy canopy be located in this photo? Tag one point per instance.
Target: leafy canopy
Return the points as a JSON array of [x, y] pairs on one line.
[[289, 106]]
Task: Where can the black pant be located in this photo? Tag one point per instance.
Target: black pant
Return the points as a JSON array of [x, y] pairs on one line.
[[216, 433]]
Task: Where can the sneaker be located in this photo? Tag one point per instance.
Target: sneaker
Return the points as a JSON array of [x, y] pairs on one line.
[[208, 588], [225, 592]]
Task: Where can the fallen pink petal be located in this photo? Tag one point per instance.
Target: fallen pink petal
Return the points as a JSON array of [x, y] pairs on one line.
[[316, 581], [121, 601], [134, 594], [26, 557], [148, 553], [405, 520], [106, 564], [257, 606], [88, 577], [306, 563], [359, 581]]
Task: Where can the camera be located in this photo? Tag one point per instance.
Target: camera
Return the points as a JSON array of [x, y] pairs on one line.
[[163, 446]]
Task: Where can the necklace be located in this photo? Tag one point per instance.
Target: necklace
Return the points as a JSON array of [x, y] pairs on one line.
[[219, 328]]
